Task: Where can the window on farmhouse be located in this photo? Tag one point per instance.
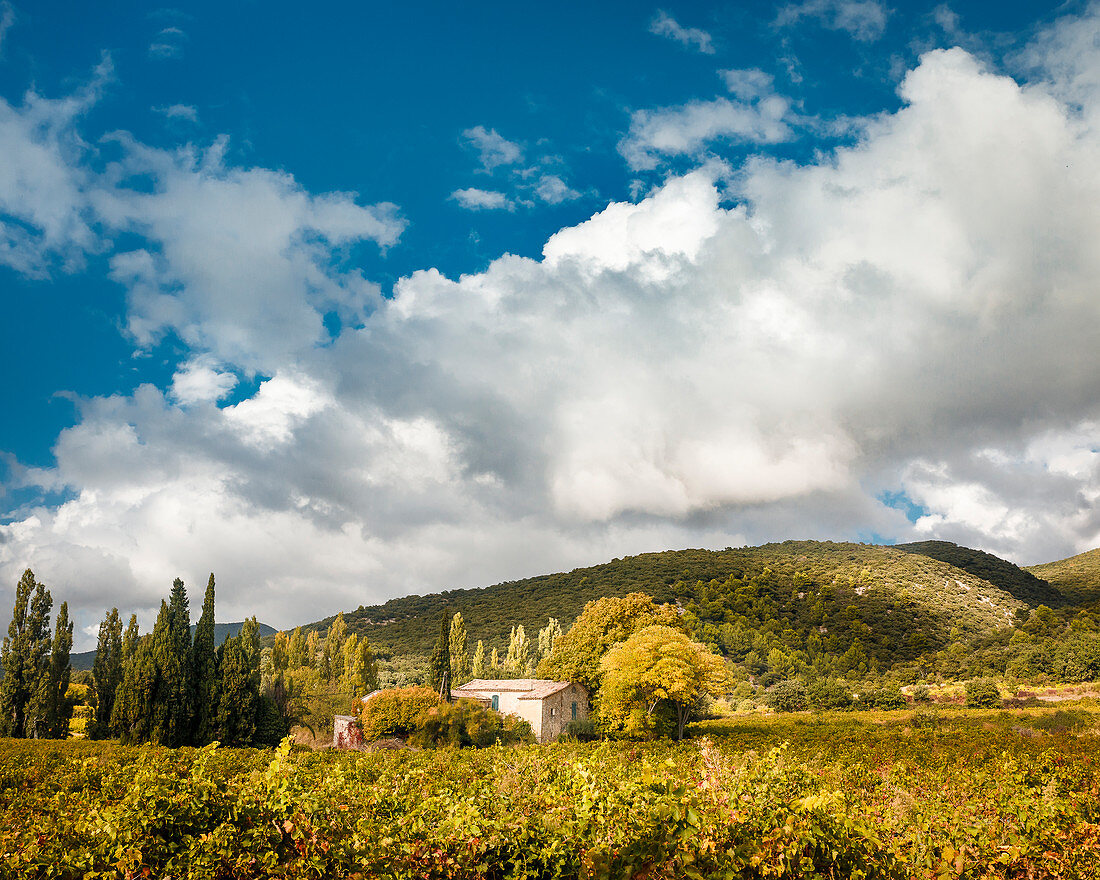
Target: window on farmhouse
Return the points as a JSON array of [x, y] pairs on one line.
[[574, 711], [553, 712], [496, 702]]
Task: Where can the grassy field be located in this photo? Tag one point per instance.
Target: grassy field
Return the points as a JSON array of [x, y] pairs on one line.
[[929, 794]]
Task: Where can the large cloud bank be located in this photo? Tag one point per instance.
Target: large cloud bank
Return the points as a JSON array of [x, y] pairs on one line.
[[748, 353]]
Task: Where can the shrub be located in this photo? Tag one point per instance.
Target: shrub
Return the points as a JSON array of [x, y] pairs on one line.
[[829, 694], [395, 711], [467, 723], [787, 696], [882, 698], [983, 693], [271, 727], [922, 694], [581, 730], [925, 719], [1064, 721]]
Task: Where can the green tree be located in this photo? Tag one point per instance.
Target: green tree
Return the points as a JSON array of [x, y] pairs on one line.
[[360, 669], [174, 698], [132, 714], [130, 638], [17, 688], [519, 652], [239, 697], [460, 656], [332, 663], [983, 693], [441, 661], [26, 655], [107, 672], [603, 623], [548, 637], [57, 710], [658, 663], [204, 671], [477, 663], [313, 648], [296, 652], [280, 651]]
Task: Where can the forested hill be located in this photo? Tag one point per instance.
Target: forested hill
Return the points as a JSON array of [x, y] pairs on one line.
[[1077, 577], [899, 602], [1019, 582]]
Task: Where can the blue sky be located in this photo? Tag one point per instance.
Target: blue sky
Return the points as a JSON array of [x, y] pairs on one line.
[[352, 300]]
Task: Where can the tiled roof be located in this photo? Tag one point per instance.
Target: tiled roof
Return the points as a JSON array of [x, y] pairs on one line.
[[527, 688], [544, 689]]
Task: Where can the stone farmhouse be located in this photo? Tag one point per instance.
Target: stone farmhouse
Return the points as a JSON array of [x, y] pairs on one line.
[[548, 706]]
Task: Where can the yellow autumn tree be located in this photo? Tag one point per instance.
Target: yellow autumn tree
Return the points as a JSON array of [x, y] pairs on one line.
[[658, 663]]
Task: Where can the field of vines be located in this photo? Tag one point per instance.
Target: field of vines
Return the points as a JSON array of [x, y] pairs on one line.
[[892, 795]]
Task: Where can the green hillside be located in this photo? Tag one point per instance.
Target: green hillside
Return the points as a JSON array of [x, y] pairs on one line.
[[808, 596], [1077, 577], [1021, 583]]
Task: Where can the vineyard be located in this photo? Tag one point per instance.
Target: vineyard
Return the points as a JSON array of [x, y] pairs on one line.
[[954, 793]]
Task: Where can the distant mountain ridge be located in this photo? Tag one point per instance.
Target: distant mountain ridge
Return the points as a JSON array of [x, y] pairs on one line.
[[222, 631]]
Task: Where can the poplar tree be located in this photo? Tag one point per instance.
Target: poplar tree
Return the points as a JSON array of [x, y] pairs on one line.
[[204, 671], [296, 652], [106, 672], [332, 666], [57, 710], [519, 652], [15, 692], [548, 636], [441, 661], [460, 657], [477, 664], [313, 646]]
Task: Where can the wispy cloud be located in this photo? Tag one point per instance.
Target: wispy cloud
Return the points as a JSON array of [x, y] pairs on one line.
[[493, 149], [865, 20], [7, 19], [178, 111], [748, 84], [664, 25], [689, 129], [553, 190], [169, 43], [474, 199]]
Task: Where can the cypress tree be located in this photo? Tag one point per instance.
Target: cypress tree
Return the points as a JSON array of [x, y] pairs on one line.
[[136, 716], [57, 709], [15, 692], [441, 660], [174, 699], [107, 672], [204, 671], [239, 691]]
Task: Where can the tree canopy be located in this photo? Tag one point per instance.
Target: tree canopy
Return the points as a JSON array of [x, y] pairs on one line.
[[658, 663], [603, 623]]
